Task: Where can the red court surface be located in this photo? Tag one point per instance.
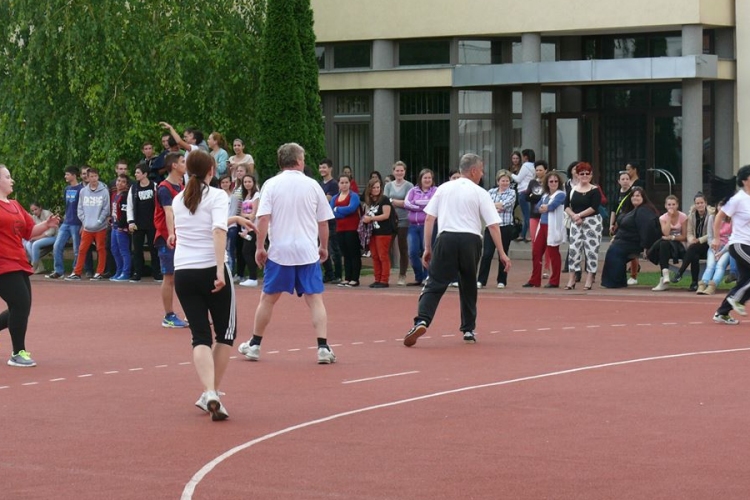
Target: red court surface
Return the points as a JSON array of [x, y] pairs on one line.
[[569, 395]]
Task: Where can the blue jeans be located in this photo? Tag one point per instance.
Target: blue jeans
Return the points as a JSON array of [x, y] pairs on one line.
[[526, 211], [232, 246], [120, 245], [66, 232], [415, 242], [34, 248], [715, 269]]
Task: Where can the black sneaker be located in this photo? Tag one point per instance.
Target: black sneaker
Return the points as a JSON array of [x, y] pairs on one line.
[[135, 278], [470, 338], [97, 277], [73, 277], [54, 276], [416, 331]]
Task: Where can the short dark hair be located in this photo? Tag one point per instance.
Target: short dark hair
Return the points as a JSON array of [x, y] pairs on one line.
[[170, 160], [124, 176], [742, 174], [93, 170], [326, 161], [72, 170], [529, 153], [143, 167]]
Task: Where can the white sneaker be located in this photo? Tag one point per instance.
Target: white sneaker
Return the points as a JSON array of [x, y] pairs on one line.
[[215, 408], [479, 285], [662, 286], [251, 352], [326, 356], [738, 308], [249, 282], [454, 284], [632, 281], [402, 281], [500, 285], [236, 278], [726, 319], [202, 403]]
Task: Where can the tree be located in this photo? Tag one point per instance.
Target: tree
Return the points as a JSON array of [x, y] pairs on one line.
[[83, 81], [289, 99]]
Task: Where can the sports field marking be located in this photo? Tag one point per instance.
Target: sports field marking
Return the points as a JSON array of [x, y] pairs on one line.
[[357, 343], [56, 379], [112, 372], [30, 383], [85, 375], [379, 377], [135, 369], [187, 492]]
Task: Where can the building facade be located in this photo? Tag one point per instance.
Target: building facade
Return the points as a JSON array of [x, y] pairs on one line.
[[658, 83]]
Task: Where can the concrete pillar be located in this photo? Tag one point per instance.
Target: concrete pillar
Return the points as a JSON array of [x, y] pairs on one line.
[[384, 129], [383, 56], [724, 129], [531, 116], [692, 119], [742, 37]]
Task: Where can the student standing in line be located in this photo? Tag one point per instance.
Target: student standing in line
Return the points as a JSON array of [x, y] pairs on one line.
[[461, 207], [120, 235], [300, 241], [93, 211], [15, 287], [203, 281], [141, 205], [71, 224], [396, 192]]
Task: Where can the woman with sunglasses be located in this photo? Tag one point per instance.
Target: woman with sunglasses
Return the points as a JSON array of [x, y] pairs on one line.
[[550, 233]]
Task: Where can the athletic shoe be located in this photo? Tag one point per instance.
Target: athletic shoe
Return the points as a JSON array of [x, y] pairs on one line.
[[454, 284], [325, 356], [215, 408], [731, 278], [416, 331], [632, 281], [97, 277], [135, 278], [120, 278], [73, 277], [158, 279], [21, 358], [470, 338], [343, 284], [335, 281], [378, 284], [172, 321], [479, 285], [251, 352], [545, 276], [54, 276], [725, 319], [202, 403], [88, 274], [402, 281], [739, 308], [249, 282], [501, 285]]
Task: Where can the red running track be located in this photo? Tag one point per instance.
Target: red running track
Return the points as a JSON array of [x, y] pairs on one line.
[[565, 395]]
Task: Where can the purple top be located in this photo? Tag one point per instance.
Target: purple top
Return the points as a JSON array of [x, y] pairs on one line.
[[415, 201]]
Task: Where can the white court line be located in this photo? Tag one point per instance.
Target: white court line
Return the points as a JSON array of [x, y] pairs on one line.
[[357, 343], [569, 328], [643, 324], [695, 323], [293, 350], [4, 387], [164, 366], [495, 331], [378, 341], [31, 383], [135, 369], [187, 492], [86, 375], [56, 379], [449, 335], [272, 352], [669, 324], [185, 363], [543, 329], [593, 326], [378, 377], [523, 330], [112, 372], [621, 324]]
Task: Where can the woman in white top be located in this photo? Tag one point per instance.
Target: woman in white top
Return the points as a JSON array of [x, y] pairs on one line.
[[522, 178], [202, 280], [240, 158], [738, 208], [250, 197]]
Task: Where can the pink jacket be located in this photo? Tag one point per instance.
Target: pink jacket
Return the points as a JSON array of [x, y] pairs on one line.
[[415, 201]]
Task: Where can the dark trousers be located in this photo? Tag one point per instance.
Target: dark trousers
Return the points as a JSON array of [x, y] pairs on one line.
[[248, 253], [488, 253], [141, 237], [194, 289], [741, 290], [617, 258], [401, 238], [693, 256], [453, 252], [241, 256], [15, 290], [349, 244], [332, 267]]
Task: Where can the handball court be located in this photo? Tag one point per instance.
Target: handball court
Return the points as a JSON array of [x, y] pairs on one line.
[[570, 395]]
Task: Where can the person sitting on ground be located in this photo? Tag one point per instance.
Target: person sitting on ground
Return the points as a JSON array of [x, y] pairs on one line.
[[716, 261], [671, 245], [697, 240], [637, 230]]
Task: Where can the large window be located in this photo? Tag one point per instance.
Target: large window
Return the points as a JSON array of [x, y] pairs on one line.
[[424, 132], [423, 52], [479, 52], [352, 55], [476, 131], [639, 45]]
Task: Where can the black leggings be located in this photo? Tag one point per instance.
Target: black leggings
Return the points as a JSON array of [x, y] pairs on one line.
[[350, 249], [193, 288], [693, 256], [15, 290]]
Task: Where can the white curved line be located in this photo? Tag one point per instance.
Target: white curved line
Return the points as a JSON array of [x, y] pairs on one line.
[[187, 492]]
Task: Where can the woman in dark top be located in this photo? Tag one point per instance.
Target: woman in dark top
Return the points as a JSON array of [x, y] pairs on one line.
[[582, 206], [697, 240], [378, 213], [637, 230]]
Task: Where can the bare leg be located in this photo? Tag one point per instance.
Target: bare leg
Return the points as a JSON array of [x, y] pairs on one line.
[[221, 360], [319, 315], [204, 364], [263, 312], [167, 293]]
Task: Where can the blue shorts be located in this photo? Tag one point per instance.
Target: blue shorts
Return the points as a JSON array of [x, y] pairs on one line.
[[306, 279], [166, 259]]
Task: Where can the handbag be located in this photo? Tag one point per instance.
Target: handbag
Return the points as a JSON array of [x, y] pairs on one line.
[[364, 230]]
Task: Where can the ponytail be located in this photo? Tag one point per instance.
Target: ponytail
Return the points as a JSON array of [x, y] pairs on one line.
[[193, 193]]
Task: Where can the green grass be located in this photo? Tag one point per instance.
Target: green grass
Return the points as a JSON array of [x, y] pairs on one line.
[[651, 279]]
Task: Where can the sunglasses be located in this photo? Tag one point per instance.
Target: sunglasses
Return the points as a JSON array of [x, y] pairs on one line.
[[584, 173]]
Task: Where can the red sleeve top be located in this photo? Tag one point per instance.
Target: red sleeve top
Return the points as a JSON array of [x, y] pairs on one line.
[[15, 226]]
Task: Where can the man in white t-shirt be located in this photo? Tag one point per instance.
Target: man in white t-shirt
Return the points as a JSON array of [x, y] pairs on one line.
[[294, 209], [463, 208]]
